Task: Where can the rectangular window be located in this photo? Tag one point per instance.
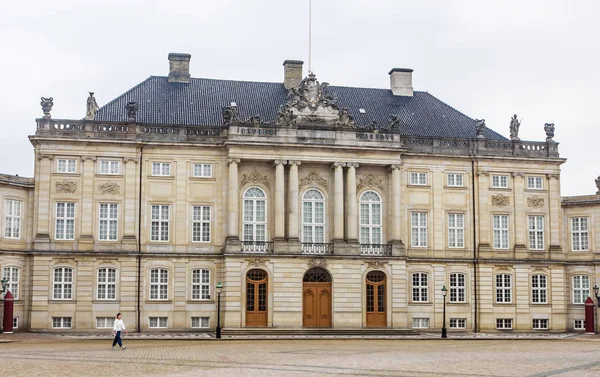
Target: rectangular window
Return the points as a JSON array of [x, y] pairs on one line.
[[458, 323], [161, 169], [11, 274], [109, 167], [160, 223], [455, 180], [62, 283], [536, 232], [159, 284], [200, 322], [200, 285], [457, 288], [504, 323], [105, 322], [534, 183], [66, 165], [540, 324], [503, 288], [500, 224], [420, 323], [418, 178], [15, 323], [12, 218], [539, 286], [61, 322], [500, 181], [158, 322], [65, 221], [201, 223], [579, 324], [579, 234], [107, 284], [419, 287], [419, 229], [108, 222], [203, 170], [456, 230], [581, 289]]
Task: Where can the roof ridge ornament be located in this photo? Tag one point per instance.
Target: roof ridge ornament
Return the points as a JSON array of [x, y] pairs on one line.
[[311, 102]]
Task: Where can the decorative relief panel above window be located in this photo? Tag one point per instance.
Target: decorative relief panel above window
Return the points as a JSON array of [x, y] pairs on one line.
[[313, 179], [535, 202], [370, 181], [68, 187], [255, 177], [500, 200], [110, 188]]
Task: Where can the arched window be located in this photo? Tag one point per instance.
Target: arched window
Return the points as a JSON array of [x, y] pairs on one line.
[[370, 218], [107, 284], [313, 217], [255, 215], [317, 275]]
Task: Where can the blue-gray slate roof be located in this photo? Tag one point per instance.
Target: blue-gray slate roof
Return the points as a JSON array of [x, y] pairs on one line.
[[199, 103]]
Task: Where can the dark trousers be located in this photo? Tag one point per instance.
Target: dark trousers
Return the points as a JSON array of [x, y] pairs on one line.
[[118, 339]]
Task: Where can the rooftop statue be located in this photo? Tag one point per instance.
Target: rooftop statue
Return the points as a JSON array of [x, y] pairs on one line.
[[132, 109], [47, 104], [514, 128], [598, 185], [91, 107], [479, 127], [549, 128], [229, 114]]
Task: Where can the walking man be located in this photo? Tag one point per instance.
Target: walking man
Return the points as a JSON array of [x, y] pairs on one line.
[[117, 328]]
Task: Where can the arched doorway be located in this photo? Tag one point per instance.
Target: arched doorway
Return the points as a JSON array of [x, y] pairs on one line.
[[256, 298], [316, 298], [376, 308]]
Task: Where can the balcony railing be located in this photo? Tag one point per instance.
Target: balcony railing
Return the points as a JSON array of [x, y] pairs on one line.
[[317, 248], [261, 247], [376, 249]]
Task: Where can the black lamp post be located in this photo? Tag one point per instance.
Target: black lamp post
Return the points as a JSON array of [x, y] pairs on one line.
[[444, 292], [4, 282], [219, 290], [596, 294]]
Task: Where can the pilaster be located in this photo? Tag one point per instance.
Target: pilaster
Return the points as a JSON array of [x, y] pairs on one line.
[[131, 188], [43, 210], [86, 238], [554, 201], [520, 241], [484, 213], [233, 240]]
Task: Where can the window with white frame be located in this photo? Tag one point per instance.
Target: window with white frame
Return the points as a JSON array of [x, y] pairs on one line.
[[418, 178], [65, 221], [105, 322], [420, 323], [370, 218], [455, 180], [579, 324], [66, 165], [255, 215], [456, 230], [579, 234], [200, 322], [159, 229], [535, 183], [581, 289], [201, 218], [503, 288], [539, 289], [159, 284], [458, 323], [61, 322], [107, 284], [108, 221], [504, 323], [158, 322], [500, 224], [418, 229], [110, 167], [536, 232], [313, 216], [201, 285], [457, 288], [11, 274], [540, 324], [62, 287], [161, 169], [419, 287], [500, 181], [203, 170], [12, 218]]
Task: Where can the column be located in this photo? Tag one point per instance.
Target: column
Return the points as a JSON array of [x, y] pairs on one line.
[[519, 217], [130, 190], [279, 200], [351, 203], [87, 201], [395, 225], [338, 202], [293, 216], [554, 204], [232, 228]]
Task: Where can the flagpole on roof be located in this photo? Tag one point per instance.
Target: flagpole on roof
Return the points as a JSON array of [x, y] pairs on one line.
[[309, 35]]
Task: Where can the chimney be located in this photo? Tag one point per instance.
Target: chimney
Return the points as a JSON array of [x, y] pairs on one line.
[[401, 82], [179, 67], [292, 73]]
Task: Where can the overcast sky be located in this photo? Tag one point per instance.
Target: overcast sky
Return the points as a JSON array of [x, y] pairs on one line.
[[488, 59]]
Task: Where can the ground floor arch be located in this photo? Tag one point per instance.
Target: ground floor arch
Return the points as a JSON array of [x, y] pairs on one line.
[[316, 298]]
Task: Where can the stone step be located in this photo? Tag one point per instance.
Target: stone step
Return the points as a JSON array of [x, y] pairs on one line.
[[317, 332]]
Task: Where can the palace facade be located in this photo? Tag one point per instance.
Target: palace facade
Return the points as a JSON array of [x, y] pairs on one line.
[[315, 206]]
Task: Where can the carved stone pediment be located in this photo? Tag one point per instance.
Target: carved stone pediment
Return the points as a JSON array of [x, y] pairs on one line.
[[375, 263], [370, 181], [535, 202], [255, 177], [68, 187], [311, 102], [500, 201], [111, 188], [317, 262], [257, 262], [313, 179]]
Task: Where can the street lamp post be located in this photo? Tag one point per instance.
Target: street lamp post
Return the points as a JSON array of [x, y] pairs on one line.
[[444, 292], [219, 290], [4, 282], [596, 289]]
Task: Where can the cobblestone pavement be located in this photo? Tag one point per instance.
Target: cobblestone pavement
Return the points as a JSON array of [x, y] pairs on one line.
[[50, 355]]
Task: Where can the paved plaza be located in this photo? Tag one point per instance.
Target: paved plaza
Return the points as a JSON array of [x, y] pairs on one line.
[[48, 355]]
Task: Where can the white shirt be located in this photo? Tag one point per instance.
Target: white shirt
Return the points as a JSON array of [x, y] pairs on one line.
[[119, 325]]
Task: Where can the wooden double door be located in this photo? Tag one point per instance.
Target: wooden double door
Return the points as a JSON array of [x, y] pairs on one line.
[[316, 298], [256, 298], [376, 299]]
